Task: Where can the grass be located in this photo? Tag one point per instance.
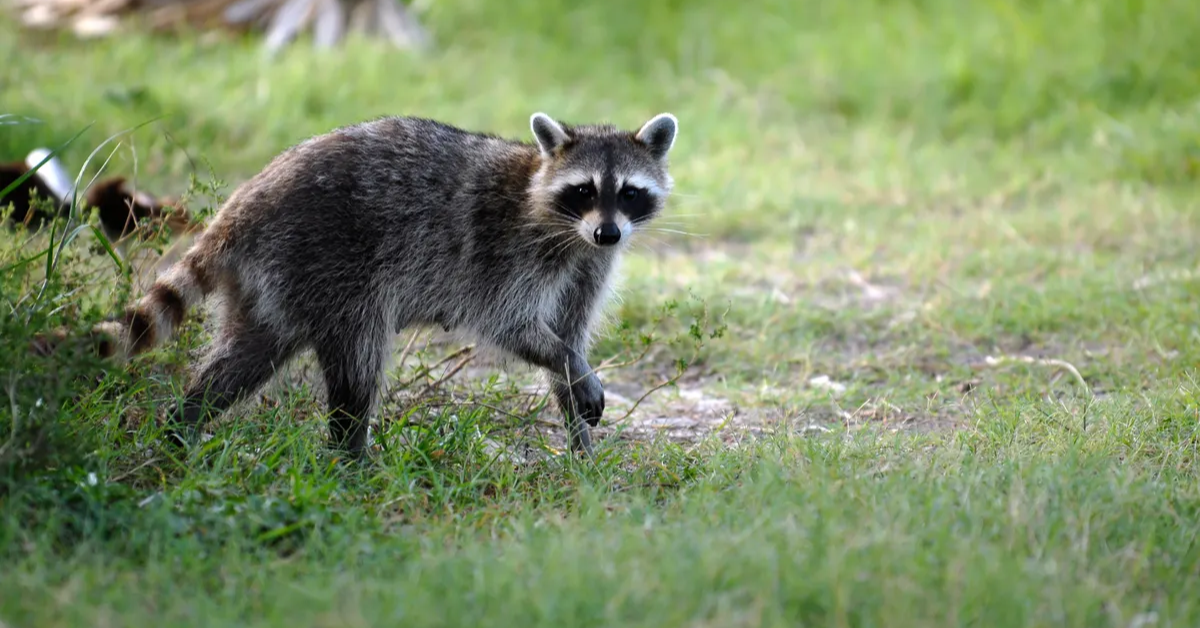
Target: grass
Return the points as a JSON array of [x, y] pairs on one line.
[[884, 194]]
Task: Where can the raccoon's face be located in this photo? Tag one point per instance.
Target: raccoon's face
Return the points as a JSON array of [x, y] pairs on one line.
[[603, 181]]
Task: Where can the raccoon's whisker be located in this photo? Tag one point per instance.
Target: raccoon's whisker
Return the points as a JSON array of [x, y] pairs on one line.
[[555, 241], [659, 221], [674, 231], [566, 222], [642, 242], [560, 227], [677, 215], [690, 204], [558, 232], [550, 226], [690, 199], [667, 224], [556, 225], [563, 246], [561, 232], [657, 250], [548, 244], [566, 210]]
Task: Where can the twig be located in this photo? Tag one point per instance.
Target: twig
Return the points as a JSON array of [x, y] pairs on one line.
[[653, 390], [457, 367], [538, 401], [425, 370], [133, 470], [465, 403], [1051, 362], [611, 363], [408, 347], [469, 402]]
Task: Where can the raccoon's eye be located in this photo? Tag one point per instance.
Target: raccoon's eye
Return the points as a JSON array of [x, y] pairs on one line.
[[630, 193], [584, 190]]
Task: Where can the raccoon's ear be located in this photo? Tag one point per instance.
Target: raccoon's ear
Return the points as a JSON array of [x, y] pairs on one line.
[[549, 134], [659, 134]]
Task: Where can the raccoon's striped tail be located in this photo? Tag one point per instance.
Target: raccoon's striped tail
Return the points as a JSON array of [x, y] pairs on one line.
[[153, 319], [156, 317]]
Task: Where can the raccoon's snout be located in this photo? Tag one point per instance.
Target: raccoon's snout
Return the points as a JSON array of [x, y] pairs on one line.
[[608, 234]]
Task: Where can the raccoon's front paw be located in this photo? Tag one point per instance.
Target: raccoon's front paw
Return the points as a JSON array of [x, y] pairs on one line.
[[588, 395]]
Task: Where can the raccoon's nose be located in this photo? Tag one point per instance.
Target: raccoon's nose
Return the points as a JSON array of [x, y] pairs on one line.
[[608, 234]]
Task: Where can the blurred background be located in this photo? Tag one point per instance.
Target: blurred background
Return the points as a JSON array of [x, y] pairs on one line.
[[1105, 89]]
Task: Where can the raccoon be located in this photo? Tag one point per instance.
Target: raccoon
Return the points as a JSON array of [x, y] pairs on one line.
[[347, 238], [48, 182], [121, 210]]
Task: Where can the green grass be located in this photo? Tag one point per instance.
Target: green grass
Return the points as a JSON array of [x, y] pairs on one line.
[[882, 193]]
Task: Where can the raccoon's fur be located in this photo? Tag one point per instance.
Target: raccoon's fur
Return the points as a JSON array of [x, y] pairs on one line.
[[346, 239]]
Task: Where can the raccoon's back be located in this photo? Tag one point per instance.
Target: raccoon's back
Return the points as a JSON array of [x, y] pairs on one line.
[[359, 211], [358, 186]]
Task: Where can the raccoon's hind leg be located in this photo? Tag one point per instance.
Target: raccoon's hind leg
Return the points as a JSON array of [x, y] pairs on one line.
[[353, 365], [243, 356]]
